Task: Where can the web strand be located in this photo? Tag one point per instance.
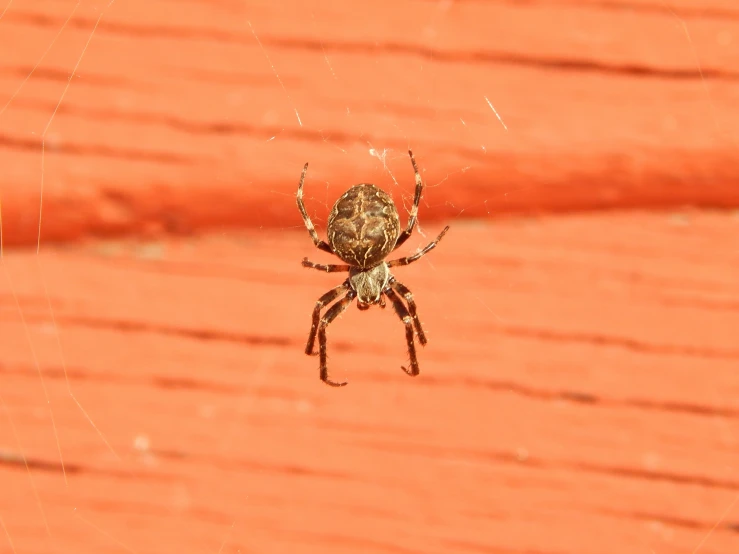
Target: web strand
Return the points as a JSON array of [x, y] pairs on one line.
[[11, 285], [14, 430], [41, 59]]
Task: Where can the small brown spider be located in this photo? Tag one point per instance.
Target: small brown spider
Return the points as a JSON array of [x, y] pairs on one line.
[[363, 229]]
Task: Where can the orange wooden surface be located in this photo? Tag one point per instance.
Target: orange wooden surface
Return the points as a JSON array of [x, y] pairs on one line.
[[578, 394], [186, 116]]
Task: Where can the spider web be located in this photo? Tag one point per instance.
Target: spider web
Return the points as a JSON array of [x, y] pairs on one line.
[[44, 335]]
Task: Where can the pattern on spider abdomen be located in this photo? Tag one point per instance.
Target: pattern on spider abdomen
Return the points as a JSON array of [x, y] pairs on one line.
[[363, 226]]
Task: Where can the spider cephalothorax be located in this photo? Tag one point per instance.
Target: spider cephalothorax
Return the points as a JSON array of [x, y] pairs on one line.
[[363, 229]]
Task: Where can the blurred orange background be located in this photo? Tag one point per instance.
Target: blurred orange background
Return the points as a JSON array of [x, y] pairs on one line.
[[578, 392]]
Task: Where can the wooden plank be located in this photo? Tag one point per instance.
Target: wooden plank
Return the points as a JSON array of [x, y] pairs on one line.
[[183, 119], [578, 394]]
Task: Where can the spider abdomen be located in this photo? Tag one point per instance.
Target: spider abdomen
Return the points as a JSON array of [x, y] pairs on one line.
[[363, 226]]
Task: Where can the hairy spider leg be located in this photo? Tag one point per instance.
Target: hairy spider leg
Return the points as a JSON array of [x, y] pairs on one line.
[[405, 235], [332, 313], [410, 259], [320, 244], [404, 291], [327, 298], [330, 268], [403, 314]]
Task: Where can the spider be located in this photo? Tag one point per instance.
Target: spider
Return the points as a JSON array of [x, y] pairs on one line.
[[363, 229]]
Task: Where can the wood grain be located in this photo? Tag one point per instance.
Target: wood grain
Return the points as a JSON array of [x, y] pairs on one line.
[[187, 116], [578, 394]]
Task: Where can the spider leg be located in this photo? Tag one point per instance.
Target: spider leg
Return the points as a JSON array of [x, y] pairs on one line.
[[320, 244], [408, 295], [327, 298], [332, 313], [403, 314], [330, 268], [410, 259], [405, 235]]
